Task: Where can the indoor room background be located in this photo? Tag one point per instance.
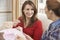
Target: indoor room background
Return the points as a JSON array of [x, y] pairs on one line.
[[10, 10]]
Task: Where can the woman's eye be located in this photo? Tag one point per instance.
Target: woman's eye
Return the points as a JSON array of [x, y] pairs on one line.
[[32, 9], [27, 9]]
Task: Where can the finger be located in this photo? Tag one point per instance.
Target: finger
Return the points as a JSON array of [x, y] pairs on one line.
[[20, 28]]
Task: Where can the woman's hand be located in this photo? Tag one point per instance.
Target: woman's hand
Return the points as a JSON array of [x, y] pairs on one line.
[[28, 37], [19, 28], [16, 22], [20, 38]]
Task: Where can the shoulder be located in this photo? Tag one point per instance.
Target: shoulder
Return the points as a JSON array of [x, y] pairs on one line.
[[55, 33], [38, 22], [20, 18], [56, 23]]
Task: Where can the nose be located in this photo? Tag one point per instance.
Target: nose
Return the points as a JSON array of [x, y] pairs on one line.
[[30, 11]]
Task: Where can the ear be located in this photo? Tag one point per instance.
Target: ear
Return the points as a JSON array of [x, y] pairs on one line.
[[51, 12]]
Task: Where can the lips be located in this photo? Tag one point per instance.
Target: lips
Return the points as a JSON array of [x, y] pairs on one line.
[[29, 14]]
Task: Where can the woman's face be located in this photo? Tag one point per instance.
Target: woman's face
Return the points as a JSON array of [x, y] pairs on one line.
[[28, 11]]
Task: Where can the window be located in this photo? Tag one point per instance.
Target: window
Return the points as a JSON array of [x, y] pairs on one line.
[[5, 10]]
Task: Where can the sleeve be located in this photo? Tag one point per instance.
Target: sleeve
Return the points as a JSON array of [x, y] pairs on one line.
[[38, 31], [19, 24], [53, 33]]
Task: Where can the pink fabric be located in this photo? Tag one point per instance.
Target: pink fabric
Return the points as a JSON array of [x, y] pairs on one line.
[[10, 34]]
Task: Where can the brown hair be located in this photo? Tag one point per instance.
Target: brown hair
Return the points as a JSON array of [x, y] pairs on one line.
[[33, 18], [54, 5]]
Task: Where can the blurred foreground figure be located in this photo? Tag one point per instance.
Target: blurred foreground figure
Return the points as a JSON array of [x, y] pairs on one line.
[[53, 13]]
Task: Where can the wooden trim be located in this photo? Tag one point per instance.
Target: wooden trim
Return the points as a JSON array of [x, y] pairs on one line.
[[17, 9], [14, 9], [5, 11]]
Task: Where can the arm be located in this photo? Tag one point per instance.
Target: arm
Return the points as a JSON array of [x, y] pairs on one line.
[[28, 37], [17, 22], [20, 38], [38, 31]]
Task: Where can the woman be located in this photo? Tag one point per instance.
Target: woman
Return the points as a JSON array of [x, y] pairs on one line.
[[53, 13], [30, 24]]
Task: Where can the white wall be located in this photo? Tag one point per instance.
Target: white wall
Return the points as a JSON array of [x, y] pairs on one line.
[[42, 16], [45, 21]]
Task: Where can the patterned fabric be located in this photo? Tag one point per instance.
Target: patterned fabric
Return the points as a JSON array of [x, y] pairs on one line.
[[53, 33]]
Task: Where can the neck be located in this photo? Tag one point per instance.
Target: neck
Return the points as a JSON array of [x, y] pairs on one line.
[[56, 18], [27, 19], [27, 22]]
